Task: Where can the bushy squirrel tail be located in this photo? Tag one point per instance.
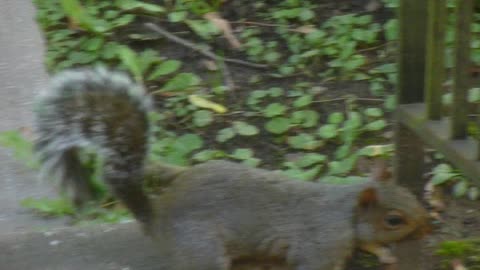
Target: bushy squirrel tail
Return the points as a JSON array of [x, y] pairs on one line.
[[102, 110]]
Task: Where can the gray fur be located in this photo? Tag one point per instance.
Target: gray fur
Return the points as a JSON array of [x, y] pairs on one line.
[[99, 109], [208, 216]]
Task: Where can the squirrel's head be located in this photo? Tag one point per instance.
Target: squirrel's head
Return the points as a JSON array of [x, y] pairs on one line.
[[388, 213]]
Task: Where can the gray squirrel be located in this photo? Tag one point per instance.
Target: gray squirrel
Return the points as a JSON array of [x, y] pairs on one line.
[[211, 215]]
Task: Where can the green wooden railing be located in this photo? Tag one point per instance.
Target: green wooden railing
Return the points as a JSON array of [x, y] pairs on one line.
[[422, 72]]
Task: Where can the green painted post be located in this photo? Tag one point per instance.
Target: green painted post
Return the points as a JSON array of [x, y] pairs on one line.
[[409, 153], [435, 66], [462, 63]]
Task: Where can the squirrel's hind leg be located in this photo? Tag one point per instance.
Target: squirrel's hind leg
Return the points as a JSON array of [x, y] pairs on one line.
[[199, 248], [75, 177]]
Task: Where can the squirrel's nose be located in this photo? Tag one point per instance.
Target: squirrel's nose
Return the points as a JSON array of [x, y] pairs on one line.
[[424, 228]]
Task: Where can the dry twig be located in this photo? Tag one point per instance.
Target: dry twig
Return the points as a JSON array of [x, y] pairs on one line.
[[200, 49]]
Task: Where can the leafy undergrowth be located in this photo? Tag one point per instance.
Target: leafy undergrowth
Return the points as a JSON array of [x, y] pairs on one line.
[[301, 86], [289, 87], [463, 253]]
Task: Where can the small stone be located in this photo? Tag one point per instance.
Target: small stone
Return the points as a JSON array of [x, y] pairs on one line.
[[54, 242]]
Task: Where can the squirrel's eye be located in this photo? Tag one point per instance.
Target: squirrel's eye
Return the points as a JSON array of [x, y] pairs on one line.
[[394, 220]]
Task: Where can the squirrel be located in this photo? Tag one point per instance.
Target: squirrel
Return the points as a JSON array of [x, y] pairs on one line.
[[211, 215]]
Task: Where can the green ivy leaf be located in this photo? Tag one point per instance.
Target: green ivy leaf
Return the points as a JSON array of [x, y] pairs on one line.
[[460, 189], [257, 94], [242, 153], [187, 143], [177, 16], [252, 162], [304, 141], [165, 68], [442, 168], [442, 177], [306, 175], [376, 150], [373, 112], [336, 118], [204, 29], [391, 29], [303, 101], [376, 125], [286, 70], [390, 103], [342, 167], [343, 151], [316, 37], [225, 134], [271, 57], [307, 118], [377, 88], [206, 155], [202, 118], [130, 59], [474, 95], [122, 20], [354, 120], [275, 109], [278, 125], [75, 10], [306, 14], [245, 129], [310, 159], [328, 131], [135, 4], [93, 44], [275, 92], [181, 82]]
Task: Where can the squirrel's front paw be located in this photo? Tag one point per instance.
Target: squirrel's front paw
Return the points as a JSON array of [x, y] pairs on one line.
[[385, 256]]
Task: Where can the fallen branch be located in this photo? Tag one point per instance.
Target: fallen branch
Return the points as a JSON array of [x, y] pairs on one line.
[[347, 98], [200, 49], [261, 24]]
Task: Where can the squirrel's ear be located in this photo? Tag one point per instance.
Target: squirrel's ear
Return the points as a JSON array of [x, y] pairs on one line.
[[380, 171], [367, 197]]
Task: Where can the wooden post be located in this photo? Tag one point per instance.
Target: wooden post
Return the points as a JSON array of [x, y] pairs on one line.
[[462, 64], [435, 66], [412, 16], [409, 154]]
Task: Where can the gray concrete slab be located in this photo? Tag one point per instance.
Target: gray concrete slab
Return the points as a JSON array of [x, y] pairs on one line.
[[28, 242], [22, 74], [119, 247]]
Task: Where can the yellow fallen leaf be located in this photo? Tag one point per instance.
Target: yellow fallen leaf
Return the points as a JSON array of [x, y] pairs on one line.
[[378, 150], [207, 104]]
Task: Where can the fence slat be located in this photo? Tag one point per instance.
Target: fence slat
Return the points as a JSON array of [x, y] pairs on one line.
[[412, 45], [461, 76], [462, 153], [435, 64], [409, 153]]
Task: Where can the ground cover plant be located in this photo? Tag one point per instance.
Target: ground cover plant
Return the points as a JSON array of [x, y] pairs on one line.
[[306, 87]]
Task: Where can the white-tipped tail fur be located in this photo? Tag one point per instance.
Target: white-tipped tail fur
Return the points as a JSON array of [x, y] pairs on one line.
[[105, 111]]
